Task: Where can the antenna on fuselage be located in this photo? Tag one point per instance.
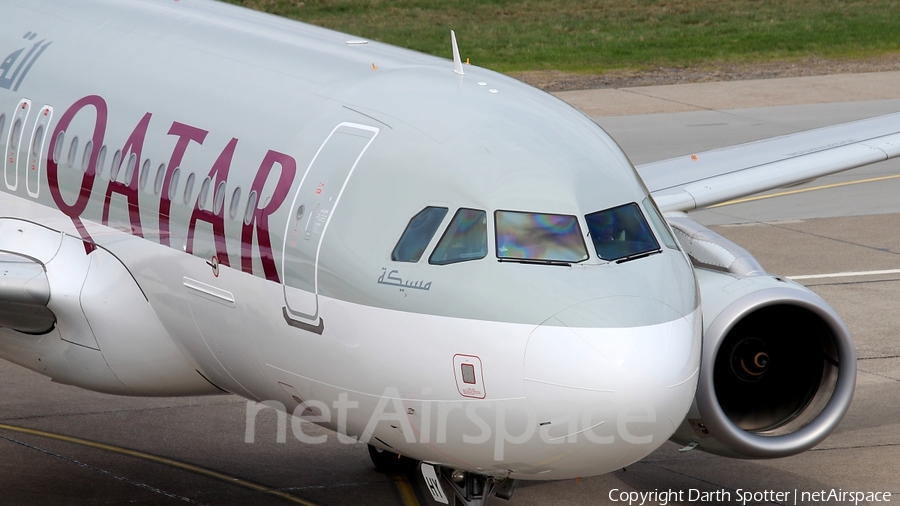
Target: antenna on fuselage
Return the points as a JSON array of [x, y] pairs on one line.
[[457, 62]]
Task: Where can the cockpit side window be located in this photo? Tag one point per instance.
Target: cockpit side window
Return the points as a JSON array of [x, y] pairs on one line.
[[465, 238], [418, 234], [539, 237], [621, 232], [662, 230]]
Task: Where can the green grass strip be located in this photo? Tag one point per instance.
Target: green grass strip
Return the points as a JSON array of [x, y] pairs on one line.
[[593, 36]]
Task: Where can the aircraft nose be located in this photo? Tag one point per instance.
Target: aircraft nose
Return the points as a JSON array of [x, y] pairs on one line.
[[611, 357], [611, 344]]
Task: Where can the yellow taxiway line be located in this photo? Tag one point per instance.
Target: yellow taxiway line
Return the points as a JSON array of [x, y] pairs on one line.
[[406, 491], [164, 461], [804, 190]]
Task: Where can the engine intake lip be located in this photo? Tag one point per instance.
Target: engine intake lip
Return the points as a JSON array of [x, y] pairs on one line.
[[756, 444]]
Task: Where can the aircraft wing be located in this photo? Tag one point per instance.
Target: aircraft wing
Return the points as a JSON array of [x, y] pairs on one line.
[[703, 179]]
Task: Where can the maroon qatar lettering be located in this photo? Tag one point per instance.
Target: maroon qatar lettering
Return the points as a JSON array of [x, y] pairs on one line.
[[186, 134], [260, 219], [274, 164], [133, 146], [218, 174], [75, 209]]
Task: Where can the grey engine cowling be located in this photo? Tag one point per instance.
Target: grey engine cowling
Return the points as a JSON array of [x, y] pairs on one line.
[[778, 366]]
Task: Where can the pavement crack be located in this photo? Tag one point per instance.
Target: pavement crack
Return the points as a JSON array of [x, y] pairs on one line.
[[857, 447], [880, 375], [835, 239]]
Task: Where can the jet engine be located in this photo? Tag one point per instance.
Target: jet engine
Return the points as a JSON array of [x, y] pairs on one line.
[[778, 366]]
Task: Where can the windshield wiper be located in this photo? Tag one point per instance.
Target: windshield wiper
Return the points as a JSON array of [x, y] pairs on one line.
[[637, 256], [539, 262]]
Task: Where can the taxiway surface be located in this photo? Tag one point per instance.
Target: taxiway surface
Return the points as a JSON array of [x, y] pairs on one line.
[[193, 450]]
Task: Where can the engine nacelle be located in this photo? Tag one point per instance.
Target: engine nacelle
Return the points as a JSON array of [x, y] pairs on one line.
[[778, 366]]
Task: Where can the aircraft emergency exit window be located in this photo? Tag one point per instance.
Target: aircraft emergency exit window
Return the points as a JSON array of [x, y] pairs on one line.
[[38, 140], [418, 234], [16, 133], [465, 238], [621, 233], [539, 237]]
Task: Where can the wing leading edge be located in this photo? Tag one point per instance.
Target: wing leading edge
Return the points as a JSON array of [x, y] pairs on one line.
[[704, 179]]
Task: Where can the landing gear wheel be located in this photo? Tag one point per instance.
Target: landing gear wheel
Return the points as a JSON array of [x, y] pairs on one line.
[[391, 463]]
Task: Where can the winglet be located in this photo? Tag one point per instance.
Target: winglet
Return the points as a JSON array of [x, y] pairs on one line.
[[457, 62]]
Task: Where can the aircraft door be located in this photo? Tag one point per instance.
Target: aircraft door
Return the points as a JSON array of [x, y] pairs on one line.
[[14, 144], [313, 206]]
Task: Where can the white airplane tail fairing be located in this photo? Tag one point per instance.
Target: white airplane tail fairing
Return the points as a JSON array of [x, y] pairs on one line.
[[778, 363]]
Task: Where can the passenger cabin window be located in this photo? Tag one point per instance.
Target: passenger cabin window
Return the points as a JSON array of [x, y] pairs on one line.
[[73, 150], [145, 175], [86, 157], [129, 171], [219, 198], [621, 233], [57, 151], [465, 239], [418, 234], [101, 159], [539, 237], [160, 178], [235, 203], [116, 165]]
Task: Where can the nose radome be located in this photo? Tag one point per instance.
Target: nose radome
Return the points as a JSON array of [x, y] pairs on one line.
[[616, 375], [610, 344]]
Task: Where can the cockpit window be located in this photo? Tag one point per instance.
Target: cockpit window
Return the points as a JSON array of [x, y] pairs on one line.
[[418, 234], [621, 232], [539, 237], [661, 229], [465, 239]]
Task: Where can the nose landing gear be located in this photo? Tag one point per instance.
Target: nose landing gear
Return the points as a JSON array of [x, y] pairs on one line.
[[472, 489], [469, 489], [391, 463]]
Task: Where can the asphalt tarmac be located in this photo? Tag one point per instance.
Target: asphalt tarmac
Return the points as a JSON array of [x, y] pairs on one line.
[[63, 445]]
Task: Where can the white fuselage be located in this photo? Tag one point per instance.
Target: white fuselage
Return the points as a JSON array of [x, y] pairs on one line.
[[215, 195]]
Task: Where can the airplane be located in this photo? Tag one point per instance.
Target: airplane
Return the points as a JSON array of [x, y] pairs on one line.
[[459, 270]]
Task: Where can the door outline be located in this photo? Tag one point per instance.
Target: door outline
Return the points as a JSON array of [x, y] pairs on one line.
[[13, 146], [36, 162], [292, 312]]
